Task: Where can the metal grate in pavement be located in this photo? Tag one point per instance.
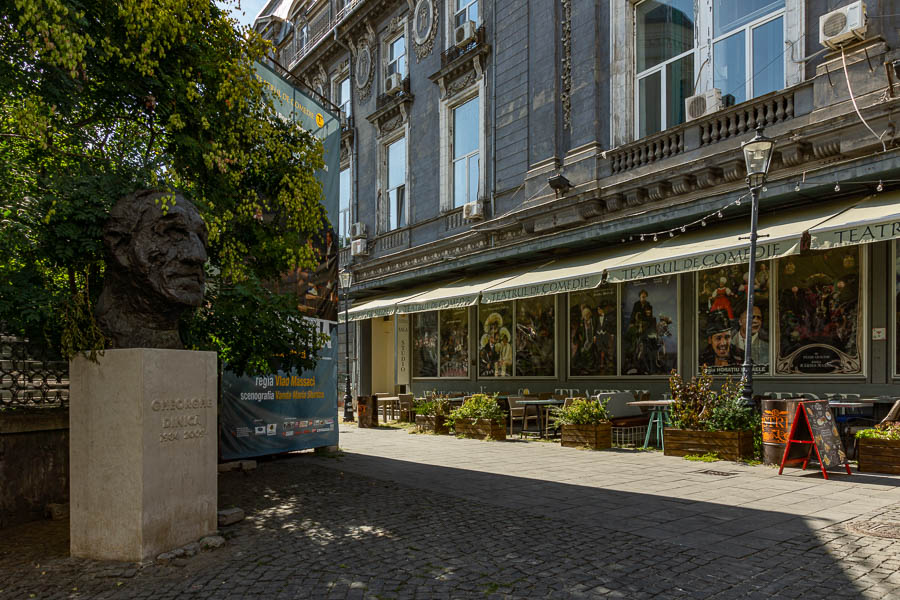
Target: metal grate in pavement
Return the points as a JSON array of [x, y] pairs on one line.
[[883, 529], [717, 473]]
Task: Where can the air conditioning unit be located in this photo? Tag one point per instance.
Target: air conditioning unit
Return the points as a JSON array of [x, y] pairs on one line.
[[464, 34], [357, 231], [393, 85], [700, 105], [359, 248], [844, 25], [473, 211]]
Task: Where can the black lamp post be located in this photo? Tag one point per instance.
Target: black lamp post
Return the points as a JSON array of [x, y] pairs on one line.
[[345, 278], [758, 156]]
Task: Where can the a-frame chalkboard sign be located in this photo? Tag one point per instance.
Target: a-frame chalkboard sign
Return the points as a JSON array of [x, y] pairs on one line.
[[814, 428]]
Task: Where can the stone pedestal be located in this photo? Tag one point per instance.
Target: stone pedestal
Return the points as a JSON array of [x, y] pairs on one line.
[[143, 452]]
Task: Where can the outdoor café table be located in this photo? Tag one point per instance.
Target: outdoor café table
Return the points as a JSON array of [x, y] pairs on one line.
[[388, 403], [542, 406], [659, 416]]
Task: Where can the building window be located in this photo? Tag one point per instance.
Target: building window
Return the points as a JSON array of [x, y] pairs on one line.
[[342, 93], [397, 57], [465, 153], [441, 343], [722, 320], [518, 338], [650, 326], [664, 62], [465, 10], [344, 208], [593, 327], [665, 51], [396, 184], [748, 48], [820, 329]]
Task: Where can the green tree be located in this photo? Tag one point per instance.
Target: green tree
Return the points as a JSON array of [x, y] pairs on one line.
[[104, 98]]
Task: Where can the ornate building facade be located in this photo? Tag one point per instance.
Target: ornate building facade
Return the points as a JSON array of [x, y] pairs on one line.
[[551, 195]]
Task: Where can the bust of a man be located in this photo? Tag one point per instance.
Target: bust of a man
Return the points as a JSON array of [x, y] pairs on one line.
[[154, 270]]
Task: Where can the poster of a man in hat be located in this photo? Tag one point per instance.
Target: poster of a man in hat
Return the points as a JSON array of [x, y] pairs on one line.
[[720, 351]]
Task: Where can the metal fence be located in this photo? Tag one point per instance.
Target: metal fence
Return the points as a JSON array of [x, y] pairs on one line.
[[30, 377]]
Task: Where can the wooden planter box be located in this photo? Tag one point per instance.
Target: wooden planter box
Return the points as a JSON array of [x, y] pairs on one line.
[[728, 445], [480, 428], [596, 437], [879, 456], [432, 424]]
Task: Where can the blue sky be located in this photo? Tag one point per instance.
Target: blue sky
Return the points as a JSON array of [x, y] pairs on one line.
[[248, 10]]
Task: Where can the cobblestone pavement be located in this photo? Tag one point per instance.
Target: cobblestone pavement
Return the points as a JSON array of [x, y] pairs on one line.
[[413, 516]]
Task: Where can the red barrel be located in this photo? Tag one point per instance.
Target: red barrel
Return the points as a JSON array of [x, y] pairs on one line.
[[777, 417]]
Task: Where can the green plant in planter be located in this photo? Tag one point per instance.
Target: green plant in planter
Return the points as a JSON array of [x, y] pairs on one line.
[[698, 406], [582, 412], [479, 406], [437, 406], [884, 431]]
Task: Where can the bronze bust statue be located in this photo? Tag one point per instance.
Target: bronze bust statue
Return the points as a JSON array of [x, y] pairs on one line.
[[154, 270]]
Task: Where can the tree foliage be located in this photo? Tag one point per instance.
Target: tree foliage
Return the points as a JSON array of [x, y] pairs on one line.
[[105, 98]]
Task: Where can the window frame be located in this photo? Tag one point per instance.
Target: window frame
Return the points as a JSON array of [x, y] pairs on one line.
[[446, 113], [384, 208], [771, 321], [345, 239], [622, 57], [747, 29], [618, 287], [454, 159], [338, 81], [388, 61], [450, 13], [864, 321], [515, 350], [466, 377]]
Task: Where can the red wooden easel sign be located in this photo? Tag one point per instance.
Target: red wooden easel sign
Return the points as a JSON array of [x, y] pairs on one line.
[[814, 428]]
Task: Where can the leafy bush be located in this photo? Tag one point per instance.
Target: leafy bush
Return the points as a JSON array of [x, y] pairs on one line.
[[436, 406], [885, 431], [479, 406], [698, 406], [582, 412]]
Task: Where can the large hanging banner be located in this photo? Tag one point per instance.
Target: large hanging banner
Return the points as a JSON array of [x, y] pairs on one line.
[[296, 410]]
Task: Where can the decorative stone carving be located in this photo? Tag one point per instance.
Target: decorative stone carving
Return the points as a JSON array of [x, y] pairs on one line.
[[734, 170], [658, 190], [566, 91], [391, 124], [613, 202], [154, 270], [364, 69], [794, 152], [826, 147], [635, 197], [425, 27], [460, 84], [708, 177], [682, 184]]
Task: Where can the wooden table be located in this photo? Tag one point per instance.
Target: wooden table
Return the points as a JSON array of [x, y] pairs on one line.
[[542, 405], [388, 402], [659, 416]]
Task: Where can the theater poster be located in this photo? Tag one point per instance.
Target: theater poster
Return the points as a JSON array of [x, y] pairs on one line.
[[819, 321], [284, 411]]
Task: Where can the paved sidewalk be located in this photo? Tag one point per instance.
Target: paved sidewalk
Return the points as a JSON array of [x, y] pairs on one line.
[[421, 516]]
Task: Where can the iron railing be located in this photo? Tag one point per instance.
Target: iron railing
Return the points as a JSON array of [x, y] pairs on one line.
[[31, 377]]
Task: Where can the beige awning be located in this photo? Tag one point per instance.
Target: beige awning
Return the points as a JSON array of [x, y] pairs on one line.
[[728, 244], [383, 306], [561, 276], [456, 294], [875, 218]]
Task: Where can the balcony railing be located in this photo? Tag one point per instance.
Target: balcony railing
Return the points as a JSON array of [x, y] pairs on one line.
[[724, 124], [454, 52], [319, 28]]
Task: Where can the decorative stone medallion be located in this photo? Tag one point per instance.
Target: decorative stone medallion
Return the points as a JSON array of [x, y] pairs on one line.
[[364, 70], [425, 24]]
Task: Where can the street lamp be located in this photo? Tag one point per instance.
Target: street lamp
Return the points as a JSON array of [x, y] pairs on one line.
[[346, 278], [758, 156]]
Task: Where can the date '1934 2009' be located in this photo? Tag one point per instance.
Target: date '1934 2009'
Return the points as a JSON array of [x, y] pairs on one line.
[[174, 436]]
